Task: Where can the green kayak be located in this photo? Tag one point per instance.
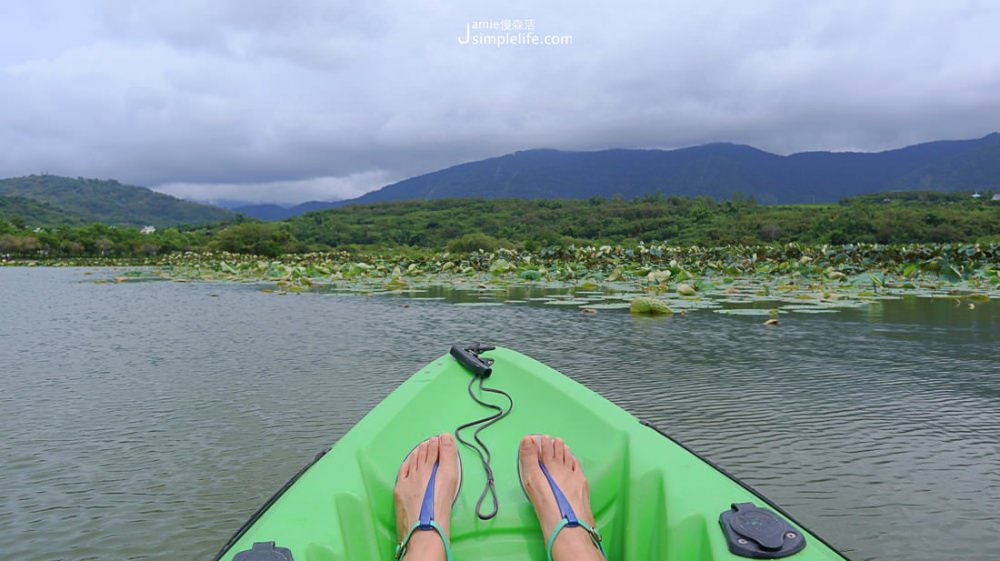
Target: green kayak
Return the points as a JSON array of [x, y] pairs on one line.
[[652, 497]]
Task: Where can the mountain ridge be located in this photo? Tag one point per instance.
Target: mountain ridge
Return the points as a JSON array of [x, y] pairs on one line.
[[718, 169], [107, 201]]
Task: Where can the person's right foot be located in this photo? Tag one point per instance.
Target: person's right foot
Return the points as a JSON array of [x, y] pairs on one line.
[[565, 469], [408, 496]]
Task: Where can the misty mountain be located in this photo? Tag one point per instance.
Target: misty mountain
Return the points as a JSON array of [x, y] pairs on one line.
[[278, 212], [716, 170], [67, 200]]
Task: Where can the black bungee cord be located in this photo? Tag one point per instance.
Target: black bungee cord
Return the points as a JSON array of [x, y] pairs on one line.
[[481, 368]]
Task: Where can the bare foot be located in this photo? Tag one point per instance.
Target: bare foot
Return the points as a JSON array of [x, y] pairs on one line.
[[571, 543], [411, 483]]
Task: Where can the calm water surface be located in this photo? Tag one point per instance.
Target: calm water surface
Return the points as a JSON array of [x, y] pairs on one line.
[[149, 420]]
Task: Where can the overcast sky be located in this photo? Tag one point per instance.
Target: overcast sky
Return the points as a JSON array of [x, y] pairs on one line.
[[285, 101]]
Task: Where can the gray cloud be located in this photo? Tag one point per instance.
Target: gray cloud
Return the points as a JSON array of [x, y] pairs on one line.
[[282, 192], [277, 101]]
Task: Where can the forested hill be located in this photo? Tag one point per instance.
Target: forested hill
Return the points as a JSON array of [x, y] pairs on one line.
[[64, 200], [914, 217], [29, 212], [717, 170]]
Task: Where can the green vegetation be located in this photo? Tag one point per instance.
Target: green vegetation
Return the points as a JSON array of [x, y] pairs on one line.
[[667, 268], [23, 211], [94, 240], [732, 257], [468, 225], [91, 200], [653, 255], [465, 224], [257, 238], [651, 306], [764, 281]]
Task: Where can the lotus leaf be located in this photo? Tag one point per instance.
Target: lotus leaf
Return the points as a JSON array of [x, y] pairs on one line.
[[646, 305]]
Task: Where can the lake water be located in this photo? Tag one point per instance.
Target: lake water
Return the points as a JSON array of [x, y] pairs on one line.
[[148, 420]]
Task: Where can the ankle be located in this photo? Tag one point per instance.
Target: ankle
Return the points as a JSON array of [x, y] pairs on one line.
[[575, 543], [424, 546]]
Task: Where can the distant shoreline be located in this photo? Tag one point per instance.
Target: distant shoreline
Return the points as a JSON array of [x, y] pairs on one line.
[[456, 225]]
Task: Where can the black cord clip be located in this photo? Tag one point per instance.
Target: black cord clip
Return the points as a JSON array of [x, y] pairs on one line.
[[469, 358]]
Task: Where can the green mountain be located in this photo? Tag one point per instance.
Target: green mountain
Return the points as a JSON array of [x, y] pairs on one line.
[[29, 212], [63, 200]]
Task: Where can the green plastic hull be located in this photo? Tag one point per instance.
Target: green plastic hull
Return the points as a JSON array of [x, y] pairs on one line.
[[652, 498]]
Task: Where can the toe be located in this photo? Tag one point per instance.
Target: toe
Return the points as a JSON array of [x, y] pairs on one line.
[[529, 450], [404, 469], [570, 459], [448, 470], [448, 448], [528, 457], [432, 450], [559, 449], [421, 456], [548, 453]]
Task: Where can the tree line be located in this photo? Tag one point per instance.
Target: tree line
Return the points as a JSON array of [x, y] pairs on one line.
[[470, 224]]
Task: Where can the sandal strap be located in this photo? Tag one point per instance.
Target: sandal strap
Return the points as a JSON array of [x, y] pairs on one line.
[[595, 536], [427, 506], [565, 509], [401, 548]]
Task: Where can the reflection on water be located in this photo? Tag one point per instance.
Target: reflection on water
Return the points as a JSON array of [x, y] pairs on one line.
[[147, 421]]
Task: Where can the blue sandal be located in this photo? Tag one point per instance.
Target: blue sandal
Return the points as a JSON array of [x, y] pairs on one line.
[[569, 519], [426, 519]]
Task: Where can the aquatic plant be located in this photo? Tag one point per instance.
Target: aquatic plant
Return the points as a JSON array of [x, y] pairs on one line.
[[736, 279], [647, 305]]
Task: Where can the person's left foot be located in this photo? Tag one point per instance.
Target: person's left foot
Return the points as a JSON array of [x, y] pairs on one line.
[[411, 484], [571, 543]]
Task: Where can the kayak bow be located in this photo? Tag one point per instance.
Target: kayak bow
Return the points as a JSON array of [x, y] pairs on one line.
[[652, 497]]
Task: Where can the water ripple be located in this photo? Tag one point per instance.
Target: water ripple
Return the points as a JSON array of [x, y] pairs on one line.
[[148, 421]]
